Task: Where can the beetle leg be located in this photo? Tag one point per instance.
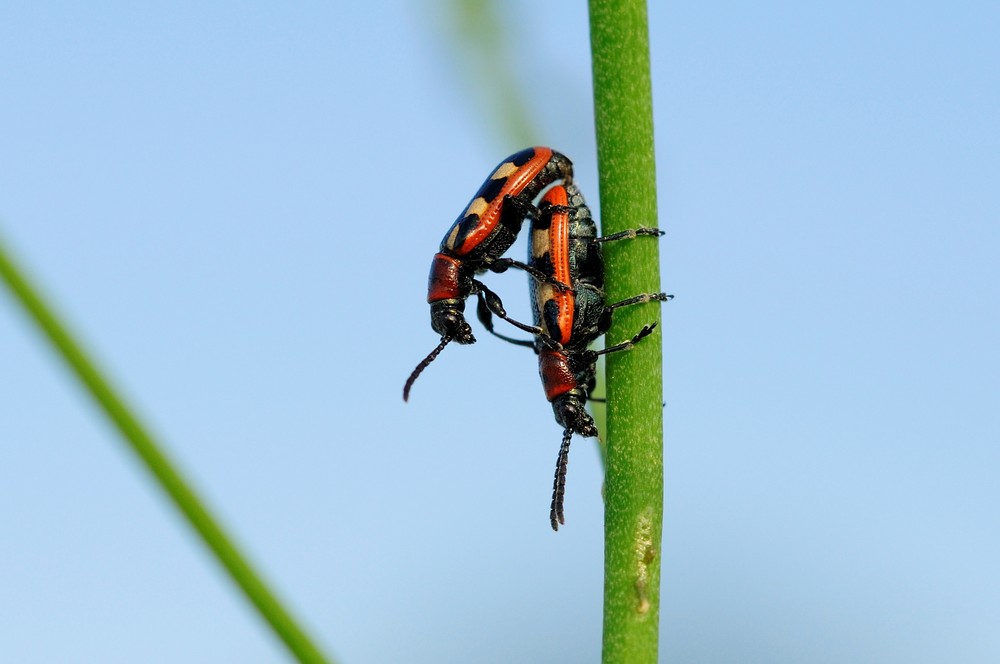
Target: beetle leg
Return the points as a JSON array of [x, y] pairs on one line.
[[630, 234], [640, 298], [485, 315], [503, 264], [627, 345]]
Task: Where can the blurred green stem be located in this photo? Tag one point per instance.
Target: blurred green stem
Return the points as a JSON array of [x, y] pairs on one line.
[[482, 53], [619, 38], [143, 445]]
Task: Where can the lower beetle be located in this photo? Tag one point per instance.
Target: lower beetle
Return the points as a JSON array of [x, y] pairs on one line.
[[565, 249]]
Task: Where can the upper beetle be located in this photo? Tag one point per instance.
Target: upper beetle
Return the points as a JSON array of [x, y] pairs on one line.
[[478, 239]]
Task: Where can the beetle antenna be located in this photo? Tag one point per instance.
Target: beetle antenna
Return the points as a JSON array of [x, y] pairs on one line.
[[559, 483], [423, 365]]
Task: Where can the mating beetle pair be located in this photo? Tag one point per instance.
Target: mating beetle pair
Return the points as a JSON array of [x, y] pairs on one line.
[[566, 267], [478, 239]]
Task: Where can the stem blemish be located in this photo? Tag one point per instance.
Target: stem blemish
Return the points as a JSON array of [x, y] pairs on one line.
[[645, 554]]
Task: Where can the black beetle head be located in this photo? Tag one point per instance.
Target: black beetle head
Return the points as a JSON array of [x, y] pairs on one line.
[[572, 414], [448, 320]]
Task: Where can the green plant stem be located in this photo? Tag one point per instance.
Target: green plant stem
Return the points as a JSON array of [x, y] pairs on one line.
[[619, 38], [142, 443]]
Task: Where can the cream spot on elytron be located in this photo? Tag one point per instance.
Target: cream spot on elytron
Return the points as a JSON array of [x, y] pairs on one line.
[[504, 170], [452, 237], [477, 207], [540, 243]]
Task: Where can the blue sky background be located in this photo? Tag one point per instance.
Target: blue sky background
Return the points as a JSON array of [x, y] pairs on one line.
[[236, 207]]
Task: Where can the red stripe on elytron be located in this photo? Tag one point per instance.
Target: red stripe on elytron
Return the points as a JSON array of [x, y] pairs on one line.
[[559, 254], [514, 185]]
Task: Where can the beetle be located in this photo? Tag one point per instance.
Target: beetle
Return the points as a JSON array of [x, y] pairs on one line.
[[477, 240], [564, 248]]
